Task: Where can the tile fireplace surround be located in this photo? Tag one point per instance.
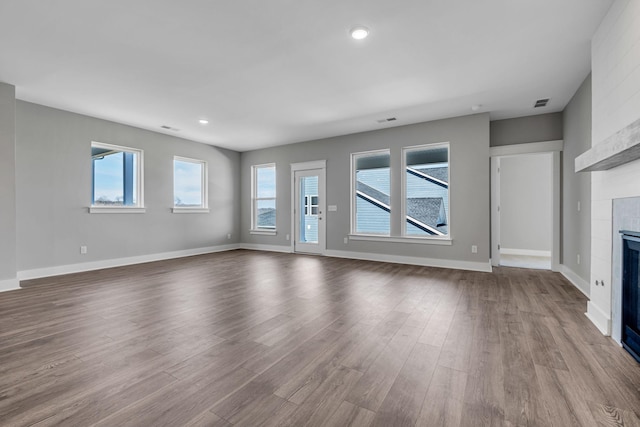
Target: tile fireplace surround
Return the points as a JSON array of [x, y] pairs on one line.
[[626, 216]]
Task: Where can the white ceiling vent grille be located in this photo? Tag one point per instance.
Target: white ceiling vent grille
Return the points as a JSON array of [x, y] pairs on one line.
[[389, 119]]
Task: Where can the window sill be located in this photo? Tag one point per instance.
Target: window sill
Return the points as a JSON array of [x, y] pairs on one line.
[[190, 210], [263, 232], [415, 240], [118, 210]]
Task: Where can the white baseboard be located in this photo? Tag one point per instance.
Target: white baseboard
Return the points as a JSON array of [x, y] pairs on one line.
[[525, 252], [268, 248], [119, 262], [427, 262], [599, 318], [577, 281], [9, 285]]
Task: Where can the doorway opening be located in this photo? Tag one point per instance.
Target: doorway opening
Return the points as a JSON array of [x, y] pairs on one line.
[[525, 199]]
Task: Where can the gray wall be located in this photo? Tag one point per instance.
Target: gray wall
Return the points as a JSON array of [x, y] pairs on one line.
[[469, 141], [7, 183], [576, 187], [522, 130], [53, 178], [525, 202]]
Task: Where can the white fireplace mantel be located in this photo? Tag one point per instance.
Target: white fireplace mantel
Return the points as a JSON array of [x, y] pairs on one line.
[[620, 148]]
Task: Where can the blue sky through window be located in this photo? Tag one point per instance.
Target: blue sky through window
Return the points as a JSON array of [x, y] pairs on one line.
[[187, 183], [266, 182], [108, 178]]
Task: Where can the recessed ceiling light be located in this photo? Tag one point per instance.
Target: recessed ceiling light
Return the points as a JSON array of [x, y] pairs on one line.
[[359, 32], [476, 107], [203, 121]]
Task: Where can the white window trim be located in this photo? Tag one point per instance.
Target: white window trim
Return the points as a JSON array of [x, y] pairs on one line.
[[354, 191], [139, 207], [116, 209], [432, 240], [204, 187], [254, 187], [403, 198], [179, 210], [263, 232]]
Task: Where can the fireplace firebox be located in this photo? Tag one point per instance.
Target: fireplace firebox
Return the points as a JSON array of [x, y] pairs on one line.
[[630, 292]]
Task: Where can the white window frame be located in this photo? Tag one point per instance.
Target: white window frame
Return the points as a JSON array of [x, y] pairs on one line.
[[354, 157], [403, 198], [204, 187], [139, 206], [254, 200]]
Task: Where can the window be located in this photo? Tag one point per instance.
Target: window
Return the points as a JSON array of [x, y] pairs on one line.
[[189, 185], [117, 178], [263, 200], [371, 213], [426, 190]]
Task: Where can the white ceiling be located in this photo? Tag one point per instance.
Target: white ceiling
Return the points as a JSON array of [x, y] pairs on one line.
[[273, 72]]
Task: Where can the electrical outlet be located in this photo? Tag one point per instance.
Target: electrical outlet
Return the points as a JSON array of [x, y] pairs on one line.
[[287, 237], [229, 236], [579, 206], [578, 259], [83, 250], [474, 249], [346, 240]]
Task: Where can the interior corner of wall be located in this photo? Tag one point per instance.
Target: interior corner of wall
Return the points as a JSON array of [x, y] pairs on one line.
[[9, 284], [599, 318]]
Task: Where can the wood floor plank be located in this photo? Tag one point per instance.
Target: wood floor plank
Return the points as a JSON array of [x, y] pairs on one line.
[[484, 400], [371, 390], [435, 333], [308, 379], [179, 402], [614, 417], [523, 396], [256, 338], [544, 347], [351, 415], [594, 383], [263, 386], [458, 347], [207, 419], [562, 398], [320, 405], [444, 401], [94, 406], [401, 406]]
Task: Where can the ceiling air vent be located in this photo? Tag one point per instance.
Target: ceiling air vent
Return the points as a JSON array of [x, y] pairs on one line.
[[541, 103], [169, 128], [390, 119]]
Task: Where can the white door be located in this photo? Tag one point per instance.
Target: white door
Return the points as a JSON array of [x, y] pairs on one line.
[[309, 211]]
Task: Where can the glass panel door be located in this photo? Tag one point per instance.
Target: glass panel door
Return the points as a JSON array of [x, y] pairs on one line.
[[309, 208]]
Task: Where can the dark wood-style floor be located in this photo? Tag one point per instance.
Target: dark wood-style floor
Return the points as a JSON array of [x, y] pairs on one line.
[[250, 338]]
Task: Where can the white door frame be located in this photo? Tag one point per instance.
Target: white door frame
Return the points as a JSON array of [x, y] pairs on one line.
[[553, 147], [322, 230]]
